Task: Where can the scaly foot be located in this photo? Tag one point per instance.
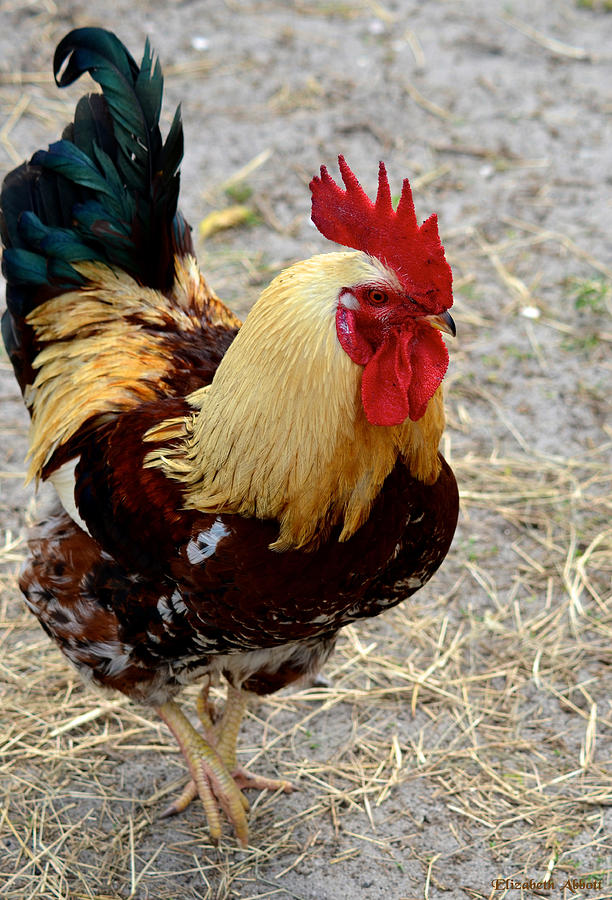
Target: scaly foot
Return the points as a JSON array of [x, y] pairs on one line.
[[215, 776], [211, 780]]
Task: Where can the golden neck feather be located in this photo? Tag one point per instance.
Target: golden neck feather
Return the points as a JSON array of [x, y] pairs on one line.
[[281, 433]]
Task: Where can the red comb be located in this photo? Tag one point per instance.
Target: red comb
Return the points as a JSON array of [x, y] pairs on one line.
[[415, 253]]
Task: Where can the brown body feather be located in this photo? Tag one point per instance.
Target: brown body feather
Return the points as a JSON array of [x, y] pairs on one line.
[[343, 519], [227, 603]]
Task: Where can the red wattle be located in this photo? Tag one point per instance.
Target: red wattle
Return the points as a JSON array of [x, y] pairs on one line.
[[385, 382], [429, 364], [401, 375]]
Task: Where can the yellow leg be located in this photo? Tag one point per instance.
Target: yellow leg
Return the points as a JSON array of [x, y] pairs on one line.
[[211, 779], [229, 726], [215, 775], [205, 711]]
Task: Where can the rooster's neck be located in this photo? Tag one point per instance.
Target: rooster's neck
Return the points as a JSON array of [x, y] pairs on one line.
[[281, 433]]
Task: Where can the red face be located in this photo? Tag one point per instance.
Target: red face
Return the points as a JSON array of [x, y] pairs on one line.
[[399, 344]]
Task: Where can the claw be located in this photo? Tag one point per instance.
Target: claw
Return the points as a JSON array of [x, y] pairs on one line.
[[189, 793]]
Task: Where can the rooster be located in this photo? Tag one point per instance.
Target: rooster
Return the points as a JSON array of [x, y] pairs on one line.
[[228, 496]]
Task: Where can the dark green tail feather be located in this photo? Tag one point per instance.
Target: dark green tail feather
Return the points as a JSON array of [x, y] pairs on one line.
[[133, 96], [112, 180], [107, 191]]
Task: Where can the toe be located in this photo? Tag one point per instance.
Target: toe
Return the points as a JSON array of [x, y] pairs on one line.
[[189, 793]]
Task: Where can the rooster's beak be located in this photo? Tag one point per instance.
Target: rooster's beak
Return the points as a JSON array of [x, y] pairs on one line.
[[443, 322]]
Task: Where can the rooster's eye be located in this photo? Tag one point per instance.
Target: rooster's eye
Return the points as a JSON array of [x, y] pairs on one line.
[[377, 297]]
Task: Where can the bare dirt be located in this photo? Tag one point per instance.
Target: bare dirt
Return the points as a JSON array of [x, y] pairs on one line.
[[463, 746]]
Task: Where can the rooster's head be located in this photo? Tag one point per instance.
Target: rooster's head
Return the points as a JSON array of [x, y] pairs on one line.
[[390, 324]]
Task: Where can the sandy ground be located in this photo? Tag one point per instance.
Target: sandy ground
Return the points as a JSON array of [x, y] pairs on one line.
[[463, 747]]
